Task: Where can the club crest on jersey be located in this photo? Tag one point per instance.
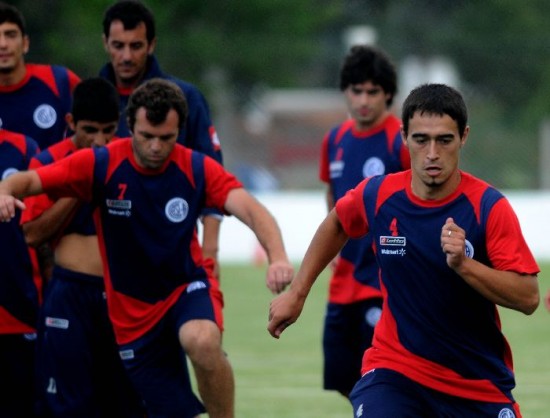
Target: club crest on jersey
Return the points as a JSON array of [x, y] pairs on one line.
[[374, 166], [8, 172], [469, 249], [506, 413], [176, 209], [44, 116]]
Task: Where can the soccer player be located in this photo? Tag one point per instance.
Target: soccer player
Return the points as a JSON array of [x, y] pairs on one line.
[[18, 294], [34, 98], [450, 248], [129, 38], [80, 371], [367, 144], [149, 192]]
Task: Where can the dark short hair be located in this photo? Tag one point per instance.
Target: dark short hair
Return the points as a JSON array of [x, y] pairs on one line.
[[95, 99], [435, 99], [158, 97], [367, 63], [131, 13], [11, 14]]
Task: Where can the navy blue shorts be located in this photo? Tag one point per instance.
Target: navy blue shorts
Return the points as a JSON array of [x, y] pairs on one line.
[[383, 393], [81, 373], [157, 364], [347, 334], [17, 359]]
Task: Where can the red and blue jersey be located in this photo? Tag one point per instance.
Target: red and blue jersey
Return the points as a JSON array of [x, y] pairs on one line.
[[37, 105], [80, 221], [146, 224], [348, 156], [435, 328], [18, 291]]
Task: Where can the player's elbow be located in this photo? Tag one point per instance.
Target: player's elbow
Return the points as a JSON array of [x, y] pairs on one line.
[[31, 239], [531, 304]]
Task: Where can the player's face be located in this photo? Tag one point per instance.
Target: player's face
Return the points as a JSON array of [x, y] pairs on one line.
[[153, 144], [88, 133], [128, 51], [13, 46], [366, 104], [434, 144]]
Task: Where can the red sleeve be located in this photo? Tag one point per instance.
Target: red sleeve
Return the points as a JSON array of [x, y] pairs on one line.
[[219, 183], [351, 211], [36, 205], [71, 176], [324, 172], [506, 245]]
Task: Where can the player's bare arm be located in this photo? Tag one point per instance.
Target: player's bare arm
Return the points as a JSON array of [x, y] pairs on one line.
[[253, 214], [210, 238], [14, 188], [49, 223], [326, 243], [505, 288]]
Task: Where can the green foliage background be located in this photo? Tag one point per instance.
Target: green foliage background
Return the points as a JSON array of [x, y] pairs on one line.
[[501, 50]]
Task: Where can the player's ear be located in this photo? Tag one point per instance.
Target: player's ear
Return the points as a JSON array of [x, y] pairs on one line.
[[130, 127], [403, 136], [26, 44], [152, 45], [105, 43], [70, 121], [464, 136]]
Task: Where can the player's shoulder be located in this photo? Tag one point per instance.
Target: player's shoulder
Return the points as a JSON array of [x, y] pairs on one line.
[[336, 133], [478, 190], [57, 151], [21, 141], [191, 91]]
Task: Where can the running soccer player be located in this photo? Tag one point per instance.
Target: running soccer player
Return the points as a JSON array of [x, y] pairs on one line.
[[450, 248], [149, 192]]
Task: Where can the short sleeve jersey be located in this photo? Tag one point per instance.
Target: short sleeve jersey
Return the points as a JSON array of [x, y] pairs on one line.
[[146, 224], [37, 105], [347, 157], [18, 291], [435, 328]]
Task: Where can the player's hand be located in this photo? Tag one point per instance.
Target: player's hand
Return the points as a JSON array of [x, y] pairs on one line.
[[453, 243], [279, 276], [8, 205], [284, 310]]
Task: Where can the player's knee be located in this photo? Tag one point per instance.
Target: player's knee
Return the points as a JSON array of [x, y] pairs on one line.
[[201, 341]]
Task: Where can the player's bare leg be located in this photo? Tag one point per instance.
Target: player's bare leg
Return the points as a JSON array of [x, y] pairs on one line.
[[201, 340]]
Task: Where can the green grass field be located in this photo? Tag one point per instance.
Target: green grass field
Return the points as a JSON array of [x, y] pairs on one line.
[[282, 378]]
